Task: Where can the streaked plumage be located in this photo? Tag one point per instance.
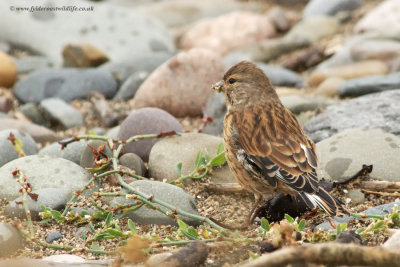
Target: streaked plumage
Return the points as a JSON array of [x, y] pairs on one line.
[[265, 146]]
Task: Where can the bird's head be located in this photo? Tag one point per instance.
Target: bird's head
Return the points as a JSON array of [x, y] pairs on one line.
[[245, 84]]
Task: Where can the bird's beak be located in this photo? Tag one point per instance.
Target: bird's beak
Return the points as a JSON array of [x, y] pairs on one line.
[[219, 86]]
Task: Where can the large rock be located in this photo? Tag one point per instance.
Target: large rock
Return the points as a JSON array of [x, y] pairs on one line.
[[8, 71], [379, 110], [146, 121], [67, 84], [42, 172], [384, 18], [368, 85], [168, 193], [228, 32], [167, 153], [103, 25], [323, 7], [39, 133], [7, 151], [280, 76], [181, 85], [342, 155], [215, 108]]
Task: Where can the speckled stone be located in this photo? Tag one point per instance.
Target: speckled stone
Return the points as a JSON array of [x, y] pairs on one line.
[[342, 155]]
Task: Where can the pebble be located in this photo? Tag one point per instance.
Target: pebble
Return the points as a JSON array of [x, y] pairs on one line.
[[7, 151], [131, 85], [10, 240], [67, 84], [61, 113], [146, 121], [282, 19], [342, 155], [53, 236], [8, 71], [105, 26], [383, 18], [227, 32], [322, 7], [313, 29], [280, 76], [44, 172], [6, 104], [356, 196], [128, 66], [33, 113], [181, 85], [39, 134], [349, 71], [329, 87], [368, 85], [393, 242], [379, 110], [381, 49], [133, 162], [30, 63], [64, 259], [167, 153], [168, 193], [72, 152], [215, 108], [83, 56], [266, 50], [299, 103]]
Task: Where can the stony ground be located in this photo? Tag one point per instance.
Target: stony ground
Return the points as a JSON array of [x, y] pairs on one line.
[[230, 208]]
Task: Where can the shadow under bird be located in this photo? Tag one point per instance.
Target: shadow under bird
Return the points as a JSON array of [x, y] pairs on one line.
[[265, 146]]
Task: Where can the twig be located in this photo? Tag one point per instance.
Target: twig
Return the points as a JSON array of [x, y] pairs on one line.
[[364, 172], [329, 254], [380, 186], [224, 188], [385, 194]]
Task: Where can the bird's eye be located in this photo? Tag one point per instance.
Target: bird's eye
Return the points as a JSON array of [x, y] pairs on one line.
[[232, 80]]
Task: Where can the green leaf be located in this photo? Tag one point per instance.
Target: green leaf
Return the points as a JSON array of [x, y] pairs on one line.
[[178, 169], [104, 236], [109, 218], [44, 221], [253, 255], [218, 160], [198, 160], [83, 235], [302, 224], [43, 207], [132, 226], [220, 148], [265, 224], [188, 235], [92, 227], [193, 231], [182, 225], [289, 218], [360, 230], [379, 224], [95, 246], [56, 215], [115, 232]]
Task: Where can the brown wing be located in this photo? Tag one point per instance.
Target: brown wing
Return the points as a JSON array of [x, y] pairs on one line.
[[269, 138]]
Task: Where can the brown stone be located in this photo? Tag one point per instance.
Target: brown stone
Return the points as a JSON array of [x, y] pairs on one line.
[[181, 85], [83, 56], [8, 71]]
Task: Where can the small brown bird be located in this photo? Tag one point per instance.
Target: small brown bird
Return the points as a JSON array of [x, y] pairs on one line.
[[265, 146]]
